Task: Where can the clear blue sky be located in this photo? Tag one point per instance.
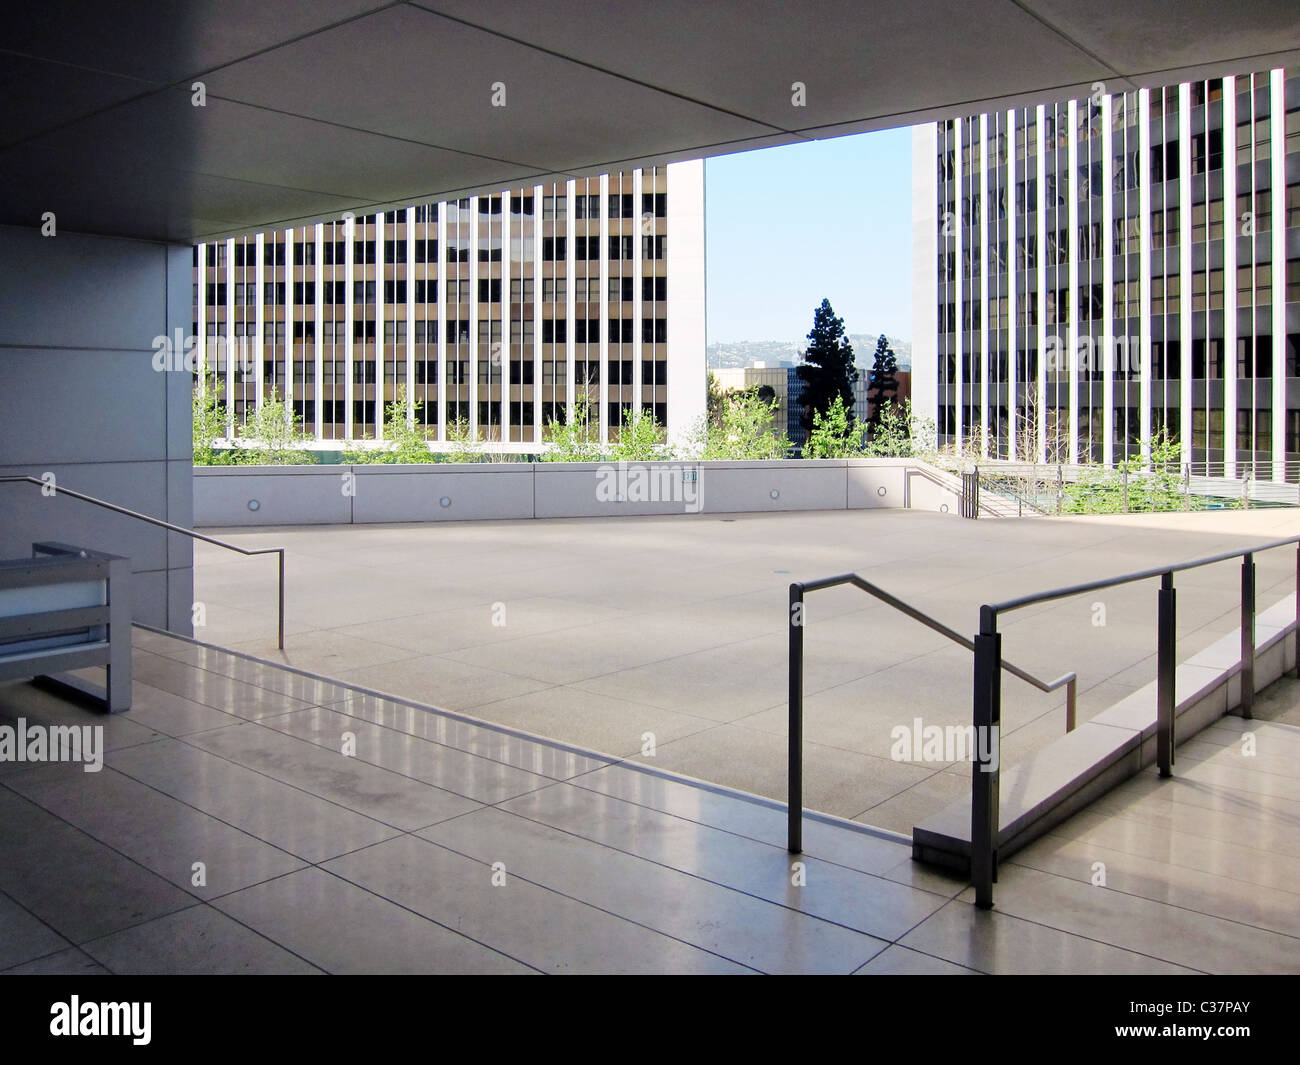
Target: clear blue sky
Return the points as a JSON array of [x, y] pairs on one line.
[[788, 226]]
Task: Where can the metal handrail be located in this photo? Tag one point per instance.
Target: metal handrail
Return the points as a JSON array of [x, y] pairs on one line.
[[987, 710], [1128, 578], [798, 590], [56, 488]]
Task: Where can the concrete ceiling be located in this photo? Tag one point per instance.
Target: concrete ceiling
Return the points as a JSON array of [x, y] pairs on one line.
[[314, 107]]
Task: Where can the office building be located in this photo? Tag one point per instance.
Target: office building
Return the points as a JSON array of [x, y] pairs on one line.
[[1091, 272], [495, 311]]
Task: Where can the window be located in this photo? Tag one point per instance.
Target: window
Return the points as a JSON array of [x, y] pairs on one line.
[[620, 247], [521, 290], [654, 288], [395, 291], [654, 330], [489, 290], [654, 204], [652, 247]]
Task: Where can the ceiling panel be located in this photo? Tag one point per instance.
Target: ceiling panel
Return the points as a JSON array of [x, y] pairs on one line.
[[401, 73], [1148, 37], [168, 41], [40, 95], [857, 59], [318, 106]]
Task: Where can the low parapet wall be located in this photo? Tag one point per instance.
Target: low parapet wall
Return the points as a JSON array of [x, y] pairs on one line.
[[370, 494]]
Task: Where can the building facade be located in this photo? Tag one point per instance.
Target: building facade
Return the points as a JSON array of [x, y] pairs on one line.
[[1094, 273], [495, 311]]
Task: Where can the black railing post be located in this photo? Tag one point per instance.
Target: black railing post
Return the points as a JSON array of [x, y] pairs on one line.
[[280, 552], [795, 798], [984, 769], [1166, 651], [1296, 671], [1247, 635]]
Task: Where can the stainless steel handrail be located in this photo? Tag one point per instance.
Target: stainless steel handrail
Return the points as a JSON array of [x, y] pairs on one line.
[[798, 590], [58, 489], [987, 710]]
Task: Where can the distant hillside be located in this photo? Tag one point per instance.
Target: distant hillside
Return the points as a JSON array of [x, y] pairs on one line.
[[775, 352]]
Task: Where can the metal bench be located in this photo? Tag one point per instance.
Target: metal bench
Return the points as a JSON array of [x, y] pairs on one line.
[[68, 608]]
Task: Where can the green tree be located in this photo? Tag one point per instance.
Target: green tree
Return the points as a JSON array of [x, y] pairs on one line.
[[834, 434], [404, 440], [640, 438], [273, 435], [899, 433], [745, 429], [883, 383], [575, 440], [716, 399], [209, 426], [827, 370], [462, 445]]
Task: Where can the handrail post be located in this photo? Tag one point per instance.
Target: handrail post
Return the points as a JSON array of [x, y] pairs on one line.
[[1296, 671], [984, 769], [1166, 650], [281, 554], [1247, 635], [1070, 704], [795, 798]]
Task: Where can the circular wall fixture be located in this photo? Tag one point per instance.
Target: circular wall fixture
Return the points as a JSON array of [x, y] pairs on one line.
[[774, 494], [253, 504], [445, 501], [881, 490], [943, 508]]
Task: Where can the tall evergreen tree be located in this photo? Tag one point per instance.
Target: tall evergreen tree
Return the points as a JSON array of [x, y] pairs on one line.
[[827, 370], [883, 383]]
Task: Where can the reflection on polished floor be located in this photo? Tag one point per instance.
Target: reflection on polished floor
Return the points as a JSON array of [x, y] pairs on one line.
[[253, 819]]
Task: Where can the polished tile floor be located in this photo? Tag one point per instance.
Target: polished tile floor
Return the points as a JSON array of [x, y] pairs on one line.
[[253, 819]]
